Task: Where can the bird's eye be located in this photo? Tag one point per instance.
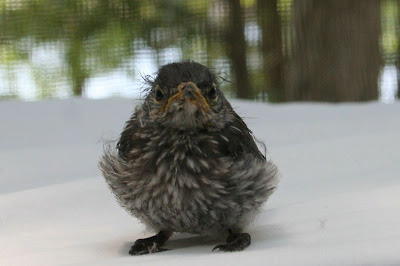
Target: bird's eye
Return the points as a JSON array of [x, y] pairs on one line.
[[212, 93], [159, 94]]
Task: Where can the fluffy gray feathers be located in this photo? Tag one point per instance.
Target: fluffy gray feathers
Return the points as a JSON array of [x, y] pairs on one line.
[[192, 179]]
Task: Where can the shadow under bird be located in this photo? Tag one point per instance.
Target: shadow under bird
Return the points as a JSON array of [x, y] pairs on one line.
[[186, 162]]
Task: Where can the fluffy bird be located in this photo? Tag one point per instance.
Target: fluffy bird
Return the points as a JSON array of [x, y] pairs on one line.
[[186, 162]]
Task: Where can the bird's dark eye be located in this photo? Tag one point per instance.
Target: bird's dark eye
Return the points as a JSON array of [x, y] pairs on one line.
[[159, 94], [212, 93]]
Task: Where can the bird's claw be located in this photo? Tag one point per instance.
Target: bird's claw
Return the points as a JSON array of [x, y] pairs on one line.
[[237, 243], [219, 247], [143, 247]]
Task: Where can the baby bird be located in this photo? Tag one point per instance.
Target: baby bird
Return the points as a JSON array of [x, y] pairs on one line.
[[186, 162]]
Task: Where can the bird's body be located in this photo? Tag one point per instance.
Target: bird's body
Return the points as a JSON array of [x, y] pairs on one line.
[[186, 162]]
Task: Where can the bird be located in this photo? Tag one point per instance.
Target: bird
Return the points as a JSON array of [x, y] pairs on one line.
[[186, 162]]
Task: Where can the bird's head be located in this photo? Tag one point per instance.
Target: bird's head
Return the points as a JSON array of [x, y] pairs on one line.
[[186, 96]]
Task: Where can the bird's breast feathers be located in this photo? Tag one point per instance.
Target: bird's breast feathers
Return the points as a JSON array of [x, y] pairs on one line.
[[170, 173]]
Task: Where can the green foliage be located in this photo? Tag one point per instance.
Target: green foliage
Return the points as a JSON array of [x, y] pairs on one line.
[[390, 30], [99, 36]]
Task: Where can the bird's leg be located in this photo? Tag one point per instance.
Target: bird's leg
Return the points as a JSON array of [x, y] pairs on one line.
[[150, 245], [235, 242]]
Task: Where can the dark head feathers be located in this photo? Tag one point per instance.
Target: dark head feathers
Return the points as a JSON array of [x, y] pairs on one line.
[[171, 75]]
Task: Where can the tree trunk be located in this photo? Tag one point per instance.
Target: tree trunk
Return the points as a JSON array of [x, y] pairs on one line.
[[336, 53], [75, 61], [236, 50], [271, 48]]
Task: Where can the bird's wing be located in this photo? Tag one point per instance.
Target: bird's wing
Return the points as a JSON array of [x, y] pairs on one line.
[[127, 141], [239, 139]]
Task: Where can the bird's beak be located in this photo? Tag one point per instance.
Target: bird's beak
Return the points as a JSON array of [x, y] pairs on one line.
[[189, 92]]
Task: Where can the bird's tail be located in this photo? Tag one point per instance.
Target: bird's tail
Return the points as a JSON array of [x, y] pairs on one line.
[[115, 170]]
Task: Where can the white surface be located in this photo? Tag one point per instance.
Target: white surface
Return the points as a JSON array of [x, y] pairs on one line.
[[337, 204]]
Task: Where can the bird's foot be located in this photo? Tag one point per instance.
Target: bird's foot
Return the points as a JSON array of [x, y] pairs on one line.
[[149, 245], [142, 247], [235, 242]]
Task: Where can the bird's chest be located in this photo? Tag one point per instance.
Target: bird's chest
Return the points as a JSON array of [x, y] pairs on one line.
[[181, 175], [179, 162], [172, 154]]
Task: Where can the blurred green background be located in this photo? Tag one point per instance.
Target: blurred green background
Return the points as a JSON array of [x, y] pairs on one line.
[[265, 50]]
